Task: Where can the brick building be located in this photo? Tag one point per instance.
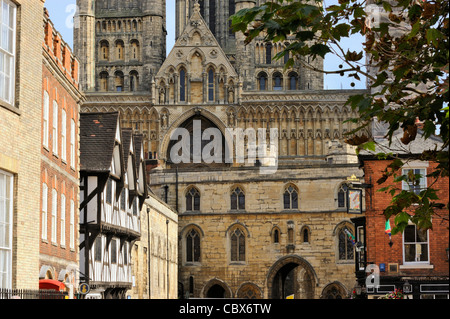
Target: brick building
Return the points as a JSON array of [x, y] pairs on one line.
[[417, 257], [61, 101], [20, 142]]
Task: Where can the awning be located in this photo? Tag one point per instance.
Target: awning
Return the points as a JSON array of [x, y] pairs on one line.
[[51, 284]]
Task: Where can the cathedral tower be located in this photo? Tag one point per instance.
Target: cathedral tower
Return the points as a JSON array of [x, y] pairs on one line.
[[121, 44], [254, 62]]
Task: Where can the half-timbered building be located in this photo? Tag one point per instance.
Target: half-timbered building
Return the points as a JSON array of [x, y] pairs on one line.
[[112, 192]]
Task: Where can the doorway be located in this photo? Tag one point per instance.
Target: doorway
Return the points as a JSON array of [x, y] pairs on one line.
[[216, 291], [291, 277]]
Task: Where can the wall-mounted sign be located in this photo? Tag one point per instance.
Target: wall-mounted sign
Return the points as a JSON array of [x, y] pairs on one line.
[[354, 201], [83, 288]]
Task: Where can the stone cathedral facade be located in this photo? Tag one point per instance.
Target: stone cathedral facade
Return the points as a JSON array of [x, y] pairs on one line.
[[243, 232]]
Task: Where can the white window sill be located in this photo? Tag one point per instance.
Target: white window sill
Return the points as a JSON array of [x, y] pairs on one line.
[[416, 266]]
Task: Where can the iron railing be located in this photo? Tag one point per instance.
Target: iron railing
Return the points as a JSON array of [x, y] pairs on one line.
[[31, 294]]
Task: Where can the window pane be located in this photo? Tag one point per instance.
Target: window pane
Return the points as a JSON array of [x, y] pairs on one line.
[[196, 248], [294, 200], [422, 235], [410, 234], [422, 252], [241, 248], [98, 249], [341, 198], [233, 201], [410, 252], [189, 248], [196, 202], [241, 201], [234, 247], [188, 202], [287, 199]]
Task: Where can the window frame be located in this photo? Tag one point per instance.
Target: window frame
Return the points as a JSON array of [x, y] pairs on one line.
[[193, 196], [290, 194], [238, 195], [54, 215], [62, 240], [349, 250], [8, 54], [63, 135], [72, 143], [45, 120], [193, 247], [55, 135], [72, 225], [113, 251], [7, 247], [238, 251], [44, 212], [406, 185], [415, 243]]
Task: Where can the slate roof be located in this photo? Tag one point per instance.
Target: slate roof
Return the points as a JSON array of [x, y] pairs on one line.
[[416, 147], [97, 136]]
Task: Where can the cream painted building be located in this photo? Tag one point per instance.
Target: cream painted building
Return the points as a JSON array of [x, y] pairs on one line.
[[154, 256]]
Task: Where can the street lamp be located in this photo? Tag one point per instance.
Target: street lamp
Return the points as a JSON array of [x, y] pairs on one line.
[[407, 287]]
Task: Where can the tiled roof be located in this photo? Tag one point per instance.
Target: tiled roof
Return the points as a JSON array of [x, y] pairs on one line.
[[126, 140], [97, 136]]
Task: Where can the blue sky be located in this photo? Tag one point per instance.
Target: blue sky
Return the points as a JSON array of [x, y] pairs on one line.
[[62, 11]]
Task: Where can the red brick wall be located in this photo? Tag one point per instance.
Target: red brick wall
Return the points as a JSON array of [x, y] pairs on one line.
[[59, 174], [378, 249]]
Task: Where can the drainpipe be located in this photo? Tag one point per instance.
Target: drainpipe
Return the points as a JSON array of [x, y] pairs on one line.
[[167, 257], [148, 253], [176, 189]]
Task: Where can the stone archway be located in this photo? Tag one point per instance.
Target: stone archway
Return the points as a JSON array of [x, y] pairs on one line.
[[334, 290], [216, 288], [194, 112], [291, 275]]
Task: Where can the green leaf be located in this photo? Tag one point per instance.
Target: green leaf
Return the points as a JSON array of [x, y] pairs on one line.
[[433, 35]]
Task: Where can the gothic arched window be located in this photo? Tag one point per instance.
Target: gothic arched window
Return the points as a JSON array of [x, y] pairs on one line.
[[212, 16], [193, 246], [290, 198], [104, 50], [135, 50], [193, 199], [210, 84], [104, 76], [237, 238], [277, 81], [345, 245], [231, 11], [342, 196], [134, 81], [120, 50], [269, 53], [182, 85], [237, 198], [276, 236], [119, 81], [262, 81], [305, 233], [292, 81]]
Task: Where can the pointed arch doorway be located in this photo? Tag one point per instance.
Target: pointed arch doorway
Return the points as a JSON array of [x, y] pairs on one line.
[[291, 276], [216, 288]]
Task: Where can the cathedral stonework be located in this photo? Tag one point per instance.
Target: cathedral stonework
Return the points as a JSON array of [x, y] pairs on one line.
[[242, 233]]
